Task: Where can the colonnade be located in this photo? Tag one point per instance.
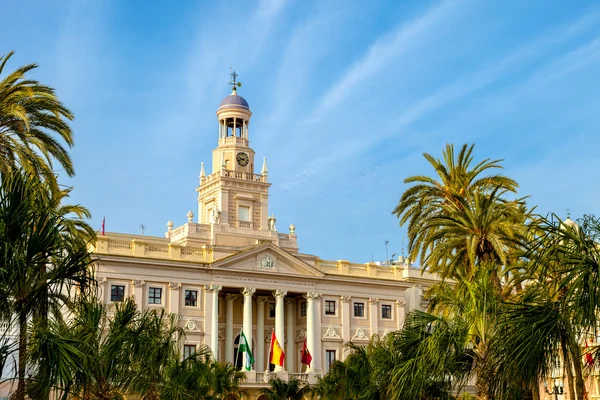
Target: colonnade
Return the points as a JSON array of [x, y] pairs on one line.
[[285, 335]]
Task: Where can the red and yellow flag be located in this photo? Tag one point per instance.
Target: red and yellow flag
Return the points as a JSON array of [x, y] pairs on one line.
[[277, 354]]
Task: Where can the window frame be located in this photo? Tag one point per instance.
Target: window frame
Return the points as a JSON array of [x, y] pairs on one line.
[[329, 362], [356, 303], [303, 309], [123, 296], [153, 297], [185, 291], [269, 310], [189, 346], [328, 303], [391, 311]]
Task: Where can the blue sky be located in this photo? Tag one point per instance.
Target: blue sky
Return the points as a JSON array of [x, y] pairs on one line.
[[345, 96]]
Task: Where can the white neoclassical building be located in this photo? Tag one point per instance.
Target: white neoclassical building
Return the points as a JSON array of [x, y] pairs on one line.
[[228, 267]]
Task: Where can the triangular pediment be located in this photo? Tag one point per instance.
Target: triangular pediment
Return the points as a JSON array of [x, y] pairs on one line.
[[269, 259]]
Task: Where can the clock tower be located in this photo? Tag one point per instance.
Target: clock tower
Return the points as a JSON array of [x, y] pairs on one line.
[[233, 196]]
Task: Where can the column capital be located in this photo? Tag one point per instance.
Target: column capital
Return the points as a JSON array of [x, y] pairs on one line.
[[213, 288], [312, 295], [400, 302], [345, 299], [374, 300], [174, 285], [231, 296], [138, 282], [262, 299], [279, 293], [248, 291], [290, 300]]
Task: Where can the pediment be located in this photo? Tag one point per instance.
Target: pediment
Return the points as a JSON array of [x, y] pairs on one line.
[[269, 259]]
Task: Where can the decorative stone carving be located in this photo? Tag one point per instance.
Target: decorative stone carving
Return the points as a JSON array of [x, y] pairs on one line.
[[248, 291], [267, 376], [174, 285], [292, 229], [262, 299], [231, 296], [385, 333], [312, 295], [374, 300], [360, 335], [138, 282], [301, 335], [266, 262], [345, 299], [400, 302], [331, 334], [190, 216], [279, 293], [102, 279], [216, 216], [213, 288], [221, 333], [170, 225], [190, 325], [290, 300], [268, 332]]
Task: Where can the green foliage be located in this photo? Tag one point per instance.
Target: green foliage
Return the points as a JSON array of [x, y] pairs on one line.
[[31, 115], [282, 390]]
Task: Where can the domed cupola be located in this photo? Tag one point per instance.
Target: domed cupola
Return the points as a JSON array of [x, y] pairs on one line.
[[234, 115]]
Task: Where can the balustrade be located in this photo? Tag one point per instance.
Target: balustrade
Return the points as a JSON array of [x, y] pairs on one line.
[[244, 224]]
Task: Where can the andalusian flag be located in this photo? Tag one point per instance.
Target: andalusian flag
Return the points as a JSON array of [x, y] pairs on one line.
[[246, 348], [277, 354]]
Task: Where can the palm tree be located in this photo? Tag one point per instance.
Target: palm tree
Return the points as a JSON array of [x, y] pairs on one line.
[[225, 379], [42, 258], [282, 390], [461, 195], [30, 116], [188, 378]]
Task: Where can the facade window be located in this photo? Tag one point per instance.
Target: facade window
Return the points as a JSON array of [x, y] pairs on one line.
[[117, 293], [303, 309], [359, 309], [244, 213], [189, 350], [329, 307], [386, 311], [329, 359], [271, 310], [191, 298], [155, 295]]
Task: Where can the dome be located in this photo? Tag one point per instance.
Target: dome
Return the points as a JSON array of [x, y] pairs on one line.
[[234, 101]]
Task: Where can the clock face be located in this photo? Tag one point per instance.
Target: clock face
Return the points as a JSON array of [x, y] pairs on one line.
[[242, 159]]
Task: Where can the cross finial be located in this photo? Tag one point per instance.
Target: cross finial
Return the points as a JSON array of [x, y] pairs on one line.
[[233, 81], [568, 213]]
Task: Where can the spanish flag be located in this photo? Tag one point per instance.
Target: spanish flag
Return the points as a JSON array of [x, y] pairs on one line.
[[277, 354]]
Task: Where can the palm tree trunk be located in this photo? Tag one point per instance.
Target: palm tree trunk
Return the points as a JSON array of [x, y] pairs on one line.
[[579, 384], [20, 395], [535, 391], [569, 371]]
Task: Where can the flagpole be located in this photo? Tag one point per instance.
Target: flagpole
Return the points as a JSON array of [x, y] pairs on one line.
[[237, 354]]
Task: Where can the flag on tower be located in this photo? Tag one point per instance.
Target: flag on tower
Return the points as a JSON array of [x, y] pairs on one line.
[[306, 357], [245, 347], [103, 221], [277, 354]]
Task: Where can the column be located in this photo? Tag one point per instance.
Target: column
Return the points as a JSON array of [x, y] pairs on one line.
[[138, 292], [374, 315], [211, 327], [247, 326], [279, 322], [290, 354], [234, 128], [174, 297], [346, 334], [230, 298], [259, 357], [313, 334], [400, 313]]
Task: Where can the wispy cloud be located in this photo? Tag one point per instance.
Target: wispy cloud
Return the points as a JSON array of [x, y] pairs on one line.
[[382, 52]]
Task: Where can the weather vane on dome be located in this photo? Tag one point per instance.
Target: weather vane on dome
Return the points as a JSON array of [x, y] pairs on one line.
[[233, 79]]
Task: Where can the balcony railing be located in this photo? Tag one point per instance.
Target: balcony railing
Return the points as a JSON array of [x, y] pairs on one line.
[[244, 224], [302, 378]]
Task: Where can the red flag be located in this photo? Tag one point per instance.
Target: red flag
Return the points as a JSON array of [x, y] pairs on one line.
[[103, 221], [306, 357], [589, 358]]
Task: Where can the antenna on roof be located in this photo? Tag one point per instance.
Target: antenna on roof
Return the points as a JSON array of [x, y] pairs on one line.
[[143, 229], [387, 258]]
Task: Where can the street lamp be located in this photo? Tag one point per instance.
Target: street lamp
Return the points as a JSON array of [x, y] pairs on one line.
[[557, 388]]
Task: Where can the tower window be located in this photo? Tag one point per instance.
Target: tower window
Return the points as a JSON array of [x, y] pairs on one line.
[[244, 213]]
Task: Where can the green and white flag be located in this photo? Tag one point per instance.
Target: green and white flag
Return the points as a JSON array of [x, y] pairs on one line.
[[246, 348]]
